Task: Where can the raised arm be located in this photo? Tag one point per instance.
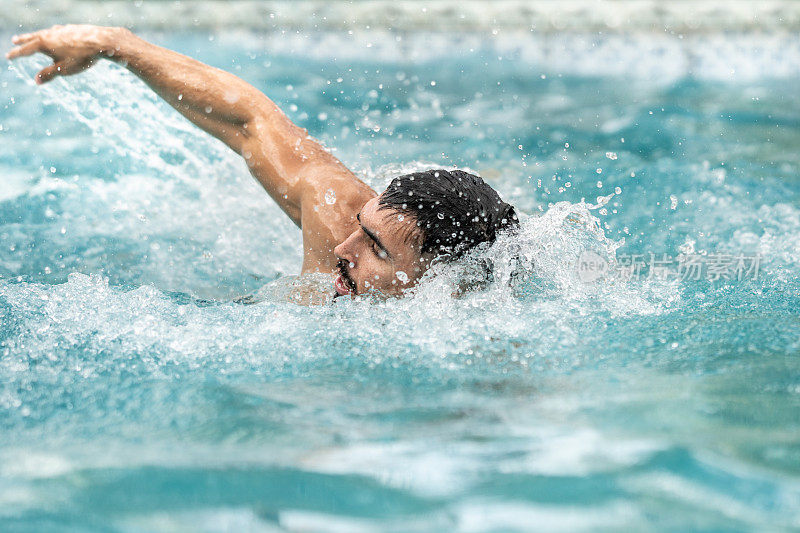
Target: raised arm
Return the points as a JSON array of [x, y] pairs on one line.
[[290, 165]]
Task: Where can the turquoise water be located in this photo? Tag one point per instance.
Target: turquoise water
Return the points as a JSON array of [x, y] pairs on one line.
[[135, 395]]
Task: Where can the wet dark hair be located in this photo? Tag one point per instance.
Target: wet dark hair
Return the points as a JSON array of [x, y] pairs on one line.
[[455, 210]]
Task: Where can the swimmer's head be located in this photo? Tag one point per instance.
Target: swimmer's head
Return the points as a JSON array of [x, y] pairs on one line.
[[420, 217]]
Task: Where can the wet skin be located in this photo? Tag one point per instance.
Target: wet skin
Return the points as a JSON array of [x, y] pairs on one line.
[[382, 255], [296, 171]]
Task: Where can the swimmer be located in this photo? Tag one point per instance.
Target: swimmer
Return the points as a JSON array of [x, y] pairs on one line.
[[368, 243]]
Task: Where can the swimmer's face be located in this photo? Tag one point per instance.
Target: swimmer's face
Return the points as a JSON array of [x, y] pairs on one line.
[[382, 255]]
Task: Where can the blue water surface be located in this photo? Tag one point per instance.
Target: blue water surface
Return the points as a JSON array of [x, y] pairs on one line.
[[136, 395]]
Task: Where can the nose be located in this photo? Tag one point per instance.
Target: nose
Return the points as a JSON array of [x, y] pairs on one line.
[[346, 249]]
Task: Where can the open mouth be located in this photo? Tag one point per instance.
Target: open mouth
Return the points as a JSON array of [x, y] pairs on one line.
[[343, 283]]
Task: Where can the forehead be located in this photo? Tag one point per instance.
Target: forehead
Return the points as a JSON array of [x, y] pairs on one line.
[[397, 231]]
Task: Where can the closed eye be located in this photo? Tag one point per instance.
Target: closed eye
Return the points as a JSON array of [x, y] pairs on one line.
[[377, 251], [377, 247]]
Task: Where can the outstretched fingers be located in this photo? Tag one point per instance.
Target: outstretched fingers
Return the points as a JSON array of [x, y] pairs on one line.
[[29, 48], [48, 73], [23, 38], [28, 44]]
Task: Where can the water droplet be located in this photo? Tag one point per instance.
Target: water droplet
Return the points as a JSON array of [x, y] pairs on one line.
[[322, 116], [611, 155], [440, 216], [231, 97], [330, 197], [603, 200], [402, 276]]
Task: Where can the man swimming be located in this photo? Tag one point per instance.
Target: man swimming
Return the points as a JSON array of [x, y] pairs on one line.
[[370, 243]]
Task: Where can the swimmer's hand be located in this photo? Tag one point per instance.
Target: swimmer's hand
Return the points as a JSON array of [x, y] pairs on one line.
[[73, 48], [296, 170]]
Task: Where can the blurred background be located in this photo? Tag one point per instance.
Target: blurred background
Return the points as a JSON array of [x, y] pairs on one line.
[[136, 396]]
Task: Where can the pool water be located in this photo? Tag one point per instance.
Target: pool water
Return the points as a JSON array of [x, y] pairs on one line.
[[137, 395]]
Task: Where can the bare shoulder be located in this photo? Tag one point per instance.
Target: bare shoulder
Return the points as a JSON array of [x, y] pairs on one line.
[[332, 198]]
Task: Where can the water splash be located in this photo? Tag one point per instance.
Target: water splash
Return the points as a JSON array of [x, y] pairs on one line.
[[177, 177], [460, 406]]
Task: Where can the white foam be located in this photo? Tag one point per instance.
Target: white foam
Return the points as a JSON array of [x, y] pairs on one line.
[[444, 15], [635, 39], [34, 465], [703, 495], [15, 183], [414, 466], [477, 515], [656, 56], [184, 169]]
